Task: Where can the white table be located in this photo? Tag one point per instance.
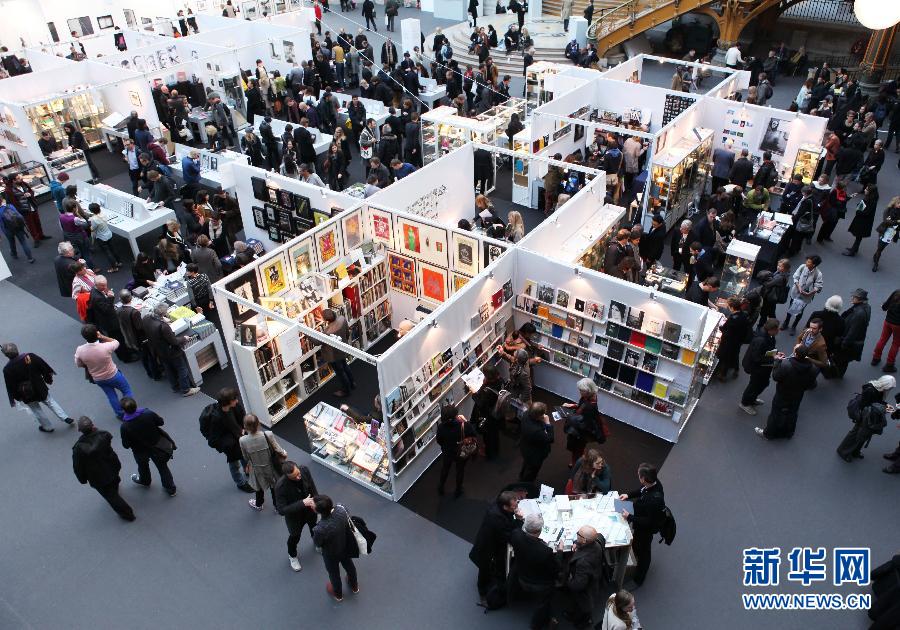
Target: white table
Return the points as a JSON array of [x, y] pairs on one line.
[[111, 132], [193, 351], [433, 95], [132, 229]]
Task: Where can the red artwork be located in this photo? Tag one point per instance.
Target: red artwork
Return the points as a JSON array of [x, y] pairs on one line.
[[382, 226], [433, 285]]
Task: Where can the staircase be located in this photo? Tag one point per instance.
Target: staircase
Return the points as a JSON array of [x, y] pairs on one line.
[[553, 7]]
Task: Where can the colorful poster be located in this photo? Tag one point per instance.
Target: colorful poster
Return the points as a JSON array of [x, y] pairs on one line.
[[423, 242], [459, 281], [272, 275], [352, 226], [302, 258], [432, 282], [411, 238], [327, 245], [381, 229], [403, 273]]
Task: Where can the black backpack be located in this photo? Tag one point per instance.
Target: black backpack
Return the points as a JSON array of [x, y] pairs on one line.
[[206, 417], [854, 407], [668, 528]]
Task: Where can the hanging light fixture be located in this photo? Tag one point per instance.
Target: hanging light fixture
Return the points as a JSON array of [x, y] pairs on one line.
[[877, 14]]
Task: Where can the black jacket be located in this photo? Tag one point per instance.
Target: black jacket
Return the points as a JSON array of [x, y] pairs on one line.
[[493, 536], [224, 427], [64, 275], [741, 172], [27, 377], [303, 144], [856, 321], [583, 573], [648, 508], [131, 326], [832, 326], [450, 433], [755, 359], [653, 243], [141, 433], [680, 250], [704, 232], [535, 563], [94, 460], [289, 495], [102, 312], [484, 164], [794, 377], [331, 534], [535, 440], [735, 330], [163, 341]]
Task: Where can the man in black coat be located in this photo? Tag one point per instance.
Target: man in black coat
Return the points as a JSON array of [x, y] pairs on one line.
[[649, 502], [654, 242], [535, 441], [63, 266], [27, 378], [758, 363], [849, 346], [489, 551], [389, 53], [368, 11], [680, 247], [742, 170], [583, 572], [535, 568], [303, 144], [452, 430], [167, 348], [140, 432], [616, 250], [702, 257], [295, 485], [484, 169], [792, 376], [221, 423], [704, 230], [95, 462]]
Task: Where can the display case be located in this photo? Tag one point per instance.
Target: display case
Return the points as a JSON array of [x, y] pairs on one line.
[[588, 246], [771, 226], [807, 160], [535, 75], [737, 271], [354, 448], [69, 161], [680, 172], [33, 173], [668, 280], [84, 109], [520, 164]]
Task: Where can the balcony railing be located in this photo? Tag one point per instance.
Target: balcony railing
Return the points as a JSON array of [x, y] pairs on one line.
[[831, 11]]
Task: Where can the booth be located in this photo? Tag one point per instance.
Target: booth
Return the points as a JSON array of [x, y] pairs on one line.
[[215, 166]]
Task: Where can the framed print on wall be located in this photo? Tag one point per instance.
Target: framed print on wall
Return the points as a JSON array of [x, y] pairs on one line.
[[351, 224], [259, 217], [247, 287], [465, 254], [423, 242], [402, 271], [432, 282], [491, 253], [273, 275], [381, 227], [458, 282], [328, 245], [302, 258]]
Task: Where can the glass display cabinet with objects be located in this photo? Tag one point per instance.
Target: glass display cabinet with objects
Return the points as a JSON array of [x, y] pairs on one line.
[[807, 160], [535, 75], [70, 161], [738, 270], [83, 109], [33, 173], [680, 172]]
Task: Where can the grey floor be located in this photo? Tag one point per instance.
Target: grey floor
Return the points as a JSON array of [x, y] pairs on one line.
[[205, 560]]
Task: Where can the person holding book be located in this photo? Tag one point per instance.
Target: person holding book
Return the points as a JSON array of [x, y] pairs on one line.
[[758, 363]]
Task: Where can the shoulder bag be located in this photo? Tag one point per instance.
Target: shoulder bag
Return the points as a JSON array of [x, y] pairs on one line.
[[277, 457], [165, 444], [467, 446], [358, 539]]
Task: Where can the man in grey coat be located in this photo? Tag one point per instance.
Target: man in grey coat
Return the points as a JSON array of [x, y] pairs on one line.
[[337, 326], [856, 322], [723, 160]]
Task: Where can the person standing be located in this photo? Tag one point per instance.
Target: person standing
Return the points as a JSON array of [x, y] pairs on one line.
[[856, 323], [583, 574], [131, 327], [130, 155], [742, 170], [888, 230], [863, 219], [758, 363], [774, 290], [649, 504], [263, 454], [453, 433], [868, 411], [221, 424], [291, 490], [536, 439], [488, 552], [535, 568], [95, 356], [680, 247], [619, 612], [337, 326], [484, 402], [806, 282], [167, 348], [331, 535], [585, 424], [735, 331], [830, 322], [96, 463], [27, 378], [76, 141], [890, 328], [13, 227], [368, 11], [565, 13], [101, 235], [793, 376], [141, 432]]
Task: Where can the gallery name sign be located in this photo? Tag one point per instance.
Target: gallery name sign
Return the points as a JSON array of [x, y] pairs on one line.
[[428, 204]]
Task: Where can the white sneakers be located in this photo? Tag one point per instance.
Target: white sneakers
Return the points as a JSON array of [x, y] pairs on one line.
[[253, 505], [295, 563], [191, 391]]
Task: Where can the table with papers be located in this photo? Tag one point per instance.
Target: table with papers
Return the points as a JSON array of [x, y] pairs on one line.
[[564, 515]]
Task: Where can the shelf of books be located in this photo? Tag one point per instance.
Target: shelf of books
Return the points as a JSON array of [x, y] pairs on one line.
[[648, 362], [414, 408], [354, 448]]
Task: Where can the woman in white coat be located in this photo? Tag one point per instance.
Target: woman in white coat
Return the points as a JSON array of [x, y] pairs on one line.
[[259, 448], [620, 613]]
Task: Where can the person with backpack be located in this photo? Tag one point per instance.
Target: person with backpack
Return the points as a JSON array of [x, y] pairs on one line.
[[13, 224], [458, 443], [95, 462], [28, 377], [291, 490], [649, 504], [142, 433], [868, 411], [221, 424]]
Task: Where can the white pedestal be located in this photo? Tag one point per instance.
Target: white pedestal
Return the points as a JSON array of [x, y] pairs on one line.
[[578, 27], [427, 5], [535, 9], [450, 9], [410, 34]]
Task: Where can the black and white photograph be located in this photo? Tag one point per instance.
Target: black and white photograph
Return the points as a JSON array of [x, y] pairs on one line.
[[775, 137]]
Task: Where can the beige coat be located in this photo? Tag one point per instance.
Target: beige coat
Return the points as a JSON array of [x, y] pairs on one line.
[[257, 451], [566, 11]]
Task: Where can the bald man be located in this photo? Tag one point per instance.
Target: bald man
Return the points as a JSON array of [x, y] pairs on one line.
[[583, 572]]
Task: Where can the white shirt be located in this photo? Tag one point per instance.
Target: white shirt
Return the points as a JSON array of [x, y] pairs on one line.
[[131, 156], [733, 56]]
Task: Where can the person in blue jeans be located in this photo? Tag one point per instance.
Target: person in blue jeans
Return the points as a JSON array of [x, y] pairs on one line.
[[13, 224], [222, 424], [95, 357]]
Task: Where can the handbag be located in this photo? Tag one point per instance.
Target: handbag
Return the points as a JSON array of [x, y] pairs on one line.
[[165, 445], [277, 458], [805, 224], [467, 446], [362, 545], [796, 307]]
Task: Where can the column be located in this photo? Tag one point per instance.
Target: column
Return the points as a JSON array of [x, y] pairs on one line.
[[875, 60], [410, 35]]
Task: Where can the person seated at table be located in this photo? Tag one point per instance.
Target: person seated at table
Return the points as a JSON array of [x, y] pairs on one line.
[[143, 271], [590, 474]]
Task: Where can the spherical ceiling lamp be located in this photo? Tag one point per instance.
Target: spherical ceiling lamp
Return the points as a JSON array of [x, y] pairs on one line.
[[877, 14]]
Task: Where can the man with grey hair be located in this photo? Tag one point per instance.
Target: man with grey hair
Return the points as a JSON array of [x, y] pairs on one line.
[[102, 312], [167, 348], [681, 247], [131, 328], [63, 266], [535, 568], [27, 378]]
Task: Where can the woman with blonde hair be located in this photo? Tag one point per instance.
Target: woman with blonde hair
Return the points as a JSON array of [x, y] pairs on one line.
[[591, 474], [167, 256], [340, 139], [620, 614], [260, 450], [515, 226]]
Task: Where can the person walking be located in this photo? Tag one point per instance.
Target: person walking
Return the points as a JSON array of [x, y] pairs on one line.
[[96, 463], [584, 424], [142, 433], [331, 534], [221, 424], [28, 378], [336, 326], [649, 503], [291, 491], [758, 363], [863, 219], [806, 282], [95, 356], [535, 441], [264, 456], [888, 230], [368, 11], [13, 227], [868, 411], [856, 322], [792, 376], [890, 328], [456, 437], [167, 348], [489, 551]]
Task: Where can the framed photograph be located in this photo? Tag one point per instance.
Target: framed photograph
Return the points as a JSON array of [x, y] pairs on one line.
[[246, 286], [286, 199], [271, 214], [259, 217], [380, 227], [135, 98], [104, 22], [465, 254], [458, 281], [491, 253], [775, 137], [351, 225], [273, 275], [284, 223], [402, 271], [289, 54], [328, 245], [274, 304], [320, 217], [301, 206], [424, 242], [259, 188], [432, 282], [562, 298], [274, 234], [248, 335]]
